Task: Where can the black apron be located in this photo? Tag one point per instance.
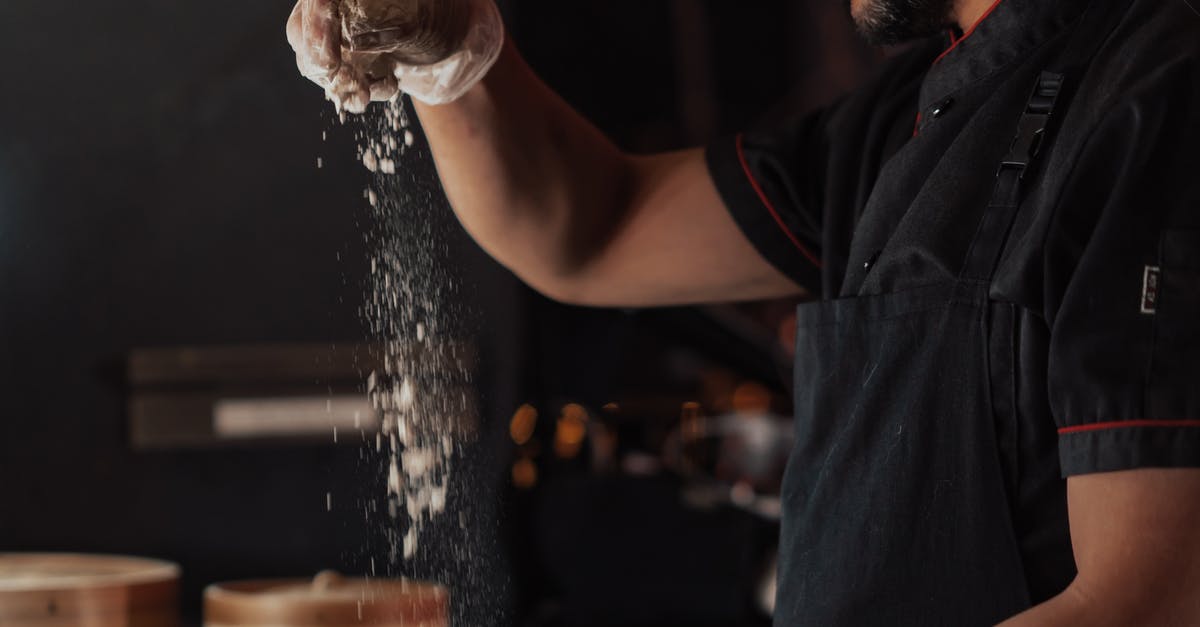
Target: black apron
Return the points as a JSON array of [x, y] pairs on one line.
[[896, 510]]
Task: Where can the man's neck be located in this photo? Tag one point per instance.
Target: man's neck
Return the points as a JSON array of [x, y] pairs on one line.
[[967, 13]]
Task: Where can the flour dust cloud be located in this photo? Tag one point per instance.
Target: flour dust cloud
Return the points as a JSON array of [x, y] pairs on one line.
[[422, 386]]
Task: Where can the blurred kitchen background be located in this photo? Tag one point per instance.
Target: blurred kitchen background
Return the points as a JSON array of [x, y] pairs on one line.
[[169, 249]]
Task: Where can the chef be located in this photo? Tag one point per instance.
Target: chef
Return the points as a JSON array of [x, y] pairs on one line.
[[997, 378]]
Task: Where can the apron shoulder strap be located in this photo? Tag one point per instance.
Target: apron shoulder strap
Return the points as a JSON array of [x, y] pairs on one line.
[[1053, 91]]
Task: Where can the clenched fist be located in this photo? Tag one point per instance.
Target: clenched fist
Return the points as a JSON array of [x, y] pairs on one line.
[[364, 50]]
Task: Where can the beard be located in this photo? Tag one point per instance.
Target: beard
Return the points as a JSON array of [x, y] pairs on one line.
[[887, 22]]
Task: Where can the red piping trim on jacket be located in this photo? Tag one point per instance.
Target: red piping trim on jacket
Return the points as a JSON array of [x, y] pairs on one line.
[[967, 33], [1118, 424], [741, 153]]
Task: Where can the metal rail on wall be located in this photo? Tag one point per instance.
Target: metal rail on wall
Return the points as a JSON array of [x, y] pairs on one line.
[[271, 394]]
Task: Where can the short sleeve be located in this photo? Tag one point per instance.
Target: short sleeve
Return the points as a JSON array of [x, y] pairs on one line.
[[1123, 288], [770, 183]]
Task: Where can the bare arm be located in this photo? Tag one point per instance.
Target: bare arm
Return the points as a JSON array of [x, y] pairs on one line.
[[1137, 550], [547, 195]]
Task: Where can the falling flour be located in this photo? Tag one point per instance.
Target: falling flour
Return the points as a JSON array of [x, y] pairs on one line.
[[420, 388]]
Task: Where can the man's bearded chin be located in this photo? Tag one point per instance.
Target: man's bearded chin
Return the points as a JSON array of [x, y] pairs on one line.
[[886, 22]]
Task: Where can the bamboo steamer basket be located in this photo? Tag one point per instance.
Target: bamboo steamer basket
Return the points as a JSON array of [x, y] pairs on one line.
[[74, 590], [328, 600]]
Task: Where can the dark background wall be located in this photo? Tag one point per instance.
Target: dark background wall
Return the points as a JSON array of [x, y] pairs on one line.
[[158, 187]]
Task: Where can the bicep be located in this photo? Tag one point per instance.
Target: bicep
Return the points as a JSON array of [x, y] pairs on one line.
[[1136, 545], [676, 243]]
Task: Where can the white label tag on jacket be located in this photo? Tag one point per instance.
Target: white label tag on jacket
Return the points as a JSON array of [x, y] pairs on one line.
[[1150, 281]]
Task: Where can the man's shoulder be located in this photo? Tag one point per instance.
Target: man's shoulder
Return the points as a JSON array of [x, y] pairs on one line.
[[1156, 48], [1146, 73], [1168, 28]]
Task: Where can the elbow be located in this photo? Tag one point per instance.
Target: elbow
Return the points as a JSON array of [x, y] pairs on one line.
[[559, 277], [561, 241]]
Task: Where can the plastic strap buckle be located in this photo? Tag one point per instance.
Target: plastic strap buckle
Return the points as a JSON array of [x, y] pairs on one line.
[[1031, 128]]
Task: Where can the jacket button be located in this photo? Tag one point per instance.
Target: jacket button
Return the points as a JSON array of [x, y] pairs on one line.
[[871, 261], [941, 108]]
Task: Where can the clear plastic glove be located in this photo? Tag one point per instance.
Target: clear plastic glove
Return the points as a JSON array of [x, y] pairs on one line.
[[364, 50]]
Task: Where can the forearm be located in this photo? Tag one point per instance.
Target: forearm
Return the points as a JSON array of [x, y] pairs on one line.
[[1133, 535], [536, 185]]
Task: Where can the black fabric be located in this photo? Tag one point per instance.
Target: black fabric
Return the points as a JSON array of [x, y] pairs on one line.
[[825, 159], [895, 415], [1117, 192], [893, 514], [1070, 372]]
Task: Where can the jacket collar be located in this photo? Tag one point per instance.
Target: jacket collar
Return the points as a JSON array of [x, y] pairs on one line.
[[1006, 34]]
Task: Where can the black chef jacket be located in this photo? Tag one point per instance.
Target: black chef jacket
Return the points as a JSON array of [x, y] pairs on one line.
[[1103, 260]]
